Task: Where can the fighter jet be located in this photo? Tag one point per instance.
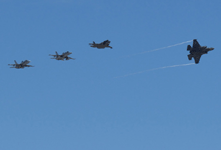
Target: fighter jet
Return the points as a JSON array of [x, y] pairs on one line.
[[22, 65], [197, 51], [63, 56], [101, 45]]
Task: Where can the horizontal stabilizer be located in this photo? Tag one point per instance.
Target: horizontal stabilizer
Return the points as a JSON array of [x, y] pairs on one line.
[[189, 47], [190, 57]]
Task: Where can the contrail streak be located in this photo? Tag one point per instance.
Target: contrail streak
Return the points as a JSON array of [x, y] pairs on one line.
[[173, 66], [160, 48]]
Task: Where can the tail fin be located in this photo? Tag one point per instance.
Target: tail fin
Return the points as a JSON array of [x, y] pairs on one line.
[[93, 42], [15, 62], [189, 47], [56, 52]]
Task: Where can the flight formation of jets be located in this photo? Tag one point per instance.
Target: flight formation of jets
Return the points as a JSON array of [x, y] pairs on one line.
[[196, 51]]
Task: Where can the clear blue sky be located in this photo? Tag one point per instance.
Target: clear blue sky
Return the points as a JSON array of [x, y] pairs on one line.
[[80, 105]]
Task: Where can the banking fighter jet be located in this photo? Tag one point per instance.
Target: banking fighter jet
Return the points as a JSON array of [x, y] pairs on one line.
[[197, 51], [100, 45], [63, 56], [22, 65]]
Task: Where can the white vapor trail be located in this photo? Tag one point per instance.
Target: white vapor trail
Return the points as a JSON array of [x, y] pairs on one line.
[[160, 48], [156, 69]]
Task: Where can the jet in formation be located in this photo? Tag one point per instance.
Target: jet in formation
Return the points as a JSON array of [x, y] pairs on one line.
[[63, 56], [101, 45], [22, 65], [197, 51]]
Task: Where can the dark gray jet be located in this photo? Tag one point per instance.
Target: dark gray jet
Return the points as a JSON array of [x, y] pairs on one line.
[[197, 51], [100, 45], [22, 65], [63, 56]]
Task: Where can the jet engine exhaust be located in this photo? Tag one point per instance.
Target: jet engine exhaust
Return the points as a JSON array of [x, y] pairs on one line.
[[173, 66]]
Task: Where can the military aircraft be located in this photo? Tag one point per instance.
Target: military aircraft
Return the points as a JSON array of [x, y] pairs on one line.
[[22, 65], [63, 56], [197, 51], [100, 45]]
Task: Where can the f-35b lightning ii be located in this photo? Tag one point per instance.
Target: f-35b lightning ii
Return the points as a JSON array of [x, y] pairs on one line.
[[100, 45], [63, 56], [22, 65], [197, 51]]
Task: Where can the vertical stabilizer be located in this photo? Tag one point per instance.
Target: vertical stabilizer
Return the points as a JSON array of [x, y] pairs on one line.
[[56, 53], [15, 62]]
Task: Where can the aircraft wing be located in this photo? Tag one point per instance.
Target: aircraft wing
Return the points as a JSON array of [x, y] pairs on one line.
[[29, 66], [196, 44], [52, 55], [106, 42], [11, 64], [68, 58], [197, 59]]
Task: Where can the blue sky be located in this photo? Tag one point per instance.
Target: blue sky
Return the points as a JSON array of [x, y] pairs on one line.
[[81, 104]]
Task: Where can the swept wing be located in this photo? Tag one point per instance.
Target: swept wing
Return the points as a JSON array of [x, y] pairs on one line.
[[197, 58], [29, 66], [196, 44]]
